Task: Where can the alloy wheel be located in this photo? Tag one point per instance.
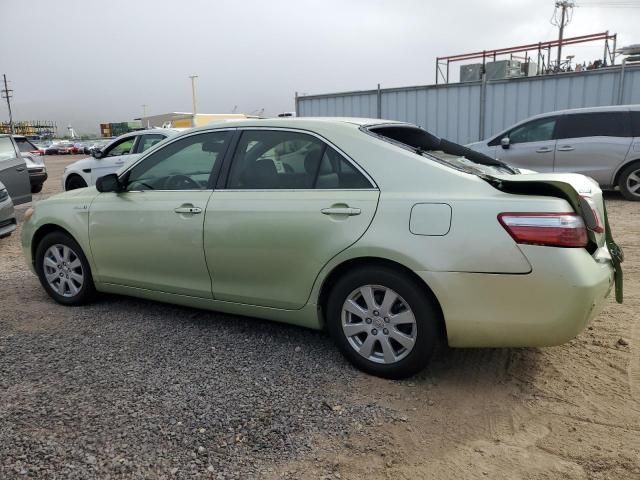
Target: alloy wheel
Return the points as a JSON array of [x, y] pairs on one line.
[[63, 270], [633, 182], [379, 324]]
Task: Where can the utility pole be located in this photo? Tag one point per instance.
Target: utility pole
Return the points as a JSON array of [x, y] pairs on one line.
[[193, 95], [6, 93], [144, 109], [566, 7]]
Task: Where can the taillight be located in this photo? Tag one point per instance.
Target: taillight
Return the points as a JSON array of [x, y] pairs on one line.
[[594, 224], [549, 229]]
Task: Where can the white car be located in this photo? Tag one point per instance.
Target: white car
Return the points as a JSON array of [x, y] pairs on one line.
[[120, 152]]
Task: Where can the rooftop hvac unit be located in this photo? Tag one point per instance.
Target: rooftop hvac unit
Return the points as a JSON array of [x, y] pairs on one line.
[[471, 72], [504, 69]]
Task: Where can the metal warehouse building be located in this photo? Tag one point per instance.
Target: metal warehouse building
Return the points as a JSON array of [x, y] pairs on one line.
[[466, 112]]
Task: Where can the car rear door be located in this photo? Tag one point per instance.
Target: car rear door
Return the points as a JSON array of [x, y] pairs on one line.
[[531, 145], [593, 144], [289, 204], [13, 172]]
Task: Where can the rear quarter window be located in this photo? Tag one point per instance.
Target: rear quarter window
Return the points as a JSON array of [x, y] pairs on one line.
[[597, 124], [635, 124]]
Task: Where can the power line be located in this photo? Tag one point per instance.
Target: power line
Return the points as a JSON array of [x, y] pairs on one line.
[[564, 8], [6, 93]]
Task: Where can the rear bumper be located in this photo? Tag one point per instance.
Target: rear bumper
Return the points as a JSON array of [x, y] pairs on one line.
[[38, 178], [565, 290]]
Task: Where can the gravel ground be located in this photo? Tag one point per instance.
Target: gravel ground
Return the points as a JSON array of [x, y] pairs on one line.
[[127, 388]]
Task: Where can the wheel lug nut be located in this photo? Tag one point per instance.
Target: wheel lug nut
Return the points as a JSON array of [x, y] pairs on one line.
[[376, 313], [374, 332], [386, 319], [368, 320], [385, 331]]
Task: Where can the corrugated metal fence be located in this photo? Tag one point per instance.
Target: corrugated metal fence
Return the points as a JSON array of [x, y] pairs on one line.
[[466, 112]]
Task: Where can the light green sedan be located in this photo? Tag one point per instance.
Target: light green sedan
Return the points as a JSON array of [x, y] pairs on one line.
[[387, 236]]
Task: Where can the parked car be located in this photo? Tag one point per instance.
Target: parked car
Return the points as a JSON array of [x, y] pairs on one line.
[[386, 235], [34, 160], [7, 214], [118, 153], [13, 171], [47, 148], [65, 148], [601, 142]]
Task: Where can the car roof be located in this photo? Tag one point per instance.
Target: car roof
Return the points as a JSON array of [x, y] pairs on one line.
[[310, 123], [606, 108]]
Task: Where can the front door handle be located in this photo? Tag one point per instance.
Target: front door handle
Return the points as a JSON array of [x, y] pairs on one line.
[[544, 150], [341, 211], [188, 209], [565, 148]]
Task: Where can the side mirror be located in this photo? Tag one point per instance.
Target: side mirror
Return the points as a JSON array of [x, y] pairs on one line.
[[505, 142], [109, 183], [97, 154]]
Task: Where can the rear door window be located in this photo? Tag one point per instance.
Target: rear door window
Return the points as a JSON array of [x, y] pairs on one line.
[[596, 124], [7, 151]]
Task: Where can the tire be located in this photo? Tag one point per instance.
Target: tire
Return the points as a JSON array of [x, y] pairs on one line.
[[629, 182], [58, 278], [75, 181], [36, 188], [378, 328]]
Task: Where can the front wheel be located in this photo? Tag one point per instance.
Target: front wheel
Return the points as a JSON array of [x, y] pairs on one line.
[[629, 182], [383, 321], [63, 269]]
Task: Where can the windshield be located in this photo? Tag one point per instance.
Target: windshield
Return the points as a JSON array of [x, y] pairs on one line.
[[445, 152], [25, 145]]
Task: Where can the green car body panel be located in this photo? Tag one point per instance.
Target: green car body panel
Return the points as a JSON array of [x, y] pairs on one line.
[[271, 253]]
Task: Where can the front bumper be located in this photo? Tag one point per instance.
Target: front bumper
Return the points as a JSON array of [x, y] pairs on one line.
[[565, 290], [7, 227]]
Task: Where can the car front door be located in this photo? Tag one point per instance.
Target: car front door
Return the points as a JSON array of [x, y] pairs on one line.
[[531, 145], [151, 235], [13, 172], [593, 144], [290, 203], [114, 157]]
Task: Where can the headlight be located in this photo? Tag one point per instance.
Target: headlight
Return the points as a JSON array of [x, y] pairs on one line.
[[3, 195], [28, 214]]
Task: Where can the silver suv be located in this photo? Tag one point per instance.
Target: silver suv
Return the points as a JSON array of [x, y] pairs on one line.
[[601, 142]]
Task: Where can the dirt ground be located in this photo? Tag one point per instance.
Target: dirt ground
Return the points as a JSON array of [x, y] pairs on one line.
[[571, 411]]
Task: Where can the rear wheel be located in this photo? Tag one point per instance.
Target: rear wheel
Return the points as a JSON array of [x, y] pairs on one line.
[[384, 322], [629, 182], [63, 269], [75, 181]]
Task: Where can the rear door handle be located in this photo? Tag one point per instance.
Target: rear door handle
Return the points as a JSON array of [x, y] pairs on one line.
[[341, 211], [188, 209], [544, 150], [19, 169], [565, 148]]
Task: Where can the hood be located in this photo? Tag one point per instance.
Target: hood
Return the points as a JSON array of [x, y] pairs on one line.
[[86, 194], [475, 145], [82, 163]]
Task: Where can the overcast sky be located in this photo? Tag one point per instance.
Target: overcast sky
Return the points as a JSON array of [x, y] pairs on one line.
[[87, 61]]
